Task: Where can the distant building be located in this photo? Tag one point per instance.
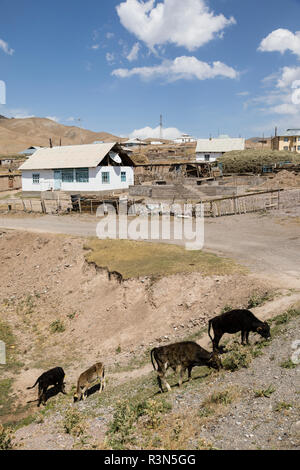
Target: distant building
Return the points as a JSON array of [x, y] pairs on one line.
[[289, 141], [78, 168], [209, 150], [134, 143], [30, 150], [184, 139]]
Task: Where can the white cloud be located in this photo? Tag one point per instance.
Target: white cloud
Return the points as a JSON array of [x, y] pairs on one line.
[[134, 53], [169, 133], [95, 47], [53, 118], [5, 47], [284, 108], [110, 57], [187, 68], [188, 23], [281, 40], [109, 35], [70, 119], [243, 93], [281, 98]]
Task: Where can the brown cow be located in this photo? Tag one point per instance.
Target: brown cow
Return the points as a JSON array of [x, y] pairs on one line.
[[181, 356], [87, 378]]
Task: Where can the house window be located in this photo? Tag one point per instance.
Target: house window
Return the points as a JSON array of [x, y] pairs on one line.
[[207, 158], [123, 177], [298, 147], [286, 139], [67, 175], [36, 178], [105, 177], [82, 175], [285, 148]]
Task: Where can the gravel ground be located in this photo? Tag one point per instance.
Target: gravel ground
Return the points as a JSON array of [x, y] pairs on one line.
[[249, 422]]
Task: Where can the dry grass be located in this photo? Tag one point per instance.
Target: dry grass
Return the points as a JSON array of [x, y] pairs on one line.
[[137, 259]]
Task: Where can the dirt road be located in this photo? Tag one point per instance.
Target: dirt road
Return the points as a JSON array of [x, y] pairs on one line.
[[268, 245]]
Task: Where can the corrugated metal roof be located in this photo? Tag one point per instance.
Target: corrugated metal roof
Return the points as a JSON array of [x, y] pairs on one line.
[[291, 133], [219, 145], [72, 156]]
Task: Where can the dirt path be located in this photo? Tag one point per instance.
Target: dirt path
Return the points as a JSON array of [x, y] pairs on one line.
[[260, 242]]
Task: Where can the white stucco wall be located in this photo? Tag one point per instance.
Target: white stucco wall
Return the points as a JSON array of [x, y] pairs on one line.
[[95, 180], [200, 157]]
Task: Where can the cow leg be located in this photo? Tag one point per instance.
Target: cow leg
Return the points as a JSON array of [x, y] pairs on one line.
[[61, 387], [180, 371], [40, 395], [43, 396], [161, 378], [247, 337], [190, 372], [216, 340], [243, 337]]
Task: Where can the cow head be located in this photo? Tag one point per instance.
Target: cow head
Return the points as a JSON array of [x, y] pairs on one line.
[[264, 330], [215, 361], [76, 398]]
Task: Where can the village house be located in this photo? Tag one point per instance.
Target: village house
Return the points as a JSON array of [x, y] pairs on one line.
[[134, 143], [289, 141], [30, 150], [184, 139], [78, 168], [209, 150]]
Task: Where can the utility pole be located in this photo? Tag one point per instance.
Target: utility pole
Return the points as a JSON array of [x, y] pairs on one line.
[[161, 127], [80, 121]]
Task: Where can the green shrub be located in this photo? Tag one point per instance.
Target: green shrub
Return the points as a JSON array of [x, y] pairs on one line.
[[288, 364], [266, 393], [237, 358], [57, 327], [5, 438], [74, 423]]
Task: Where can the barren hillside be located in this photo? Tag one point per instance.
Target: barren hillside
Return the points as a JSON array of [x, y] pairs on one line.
[[18, 134]]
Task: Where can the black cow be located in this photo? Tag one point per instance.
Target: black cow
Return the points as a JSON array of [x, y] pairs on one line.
[[235, 321], [53, 377], [181, 356]]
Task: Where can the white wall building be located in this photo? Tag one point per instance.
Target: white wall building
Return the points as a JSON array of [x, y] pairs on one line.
[[209, 150], [184, 139], [78, 168]]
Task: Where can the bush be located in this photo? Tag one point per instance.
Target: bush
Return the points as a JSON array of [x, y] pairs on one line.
[[237, 358], [5, 438], [122, 427], [74, 423], [57, 327]]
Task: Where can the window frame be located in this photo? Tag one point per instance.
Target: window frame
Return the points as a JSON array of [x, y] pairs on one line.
[[80, 178], [103, 175], [123, 175], [65, 178], [36, 178]]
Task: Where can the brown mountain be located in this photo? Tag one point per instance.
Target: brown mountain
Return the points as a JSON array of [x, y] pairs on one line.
[[18, 134]]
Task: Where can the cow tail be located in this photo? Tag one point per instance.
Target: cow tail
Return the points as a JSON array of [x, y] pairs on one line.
[[152, 354], [209, 328], [29, 388]]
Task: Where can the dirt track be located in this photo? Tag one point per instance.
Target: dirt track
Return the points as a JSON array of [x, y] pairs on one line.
[[268, 245]]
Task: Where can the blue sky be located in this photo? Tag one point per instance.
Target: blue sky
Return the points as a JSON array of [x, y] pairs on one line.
[[209, 66]]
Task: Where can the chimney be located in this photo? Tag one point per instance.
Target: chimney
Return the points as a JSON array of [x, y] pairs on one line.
[[50, 141], [276, 131]]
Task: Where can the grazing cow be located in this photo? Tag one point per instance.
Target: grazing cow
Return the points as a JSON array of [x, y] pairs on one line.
[[181, 356], [87, 378], [235, 321], [53, 377]]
